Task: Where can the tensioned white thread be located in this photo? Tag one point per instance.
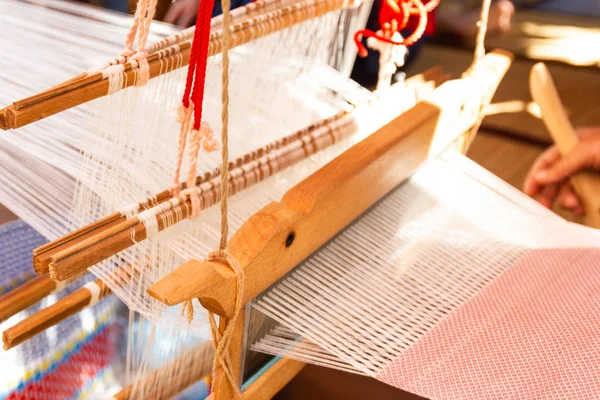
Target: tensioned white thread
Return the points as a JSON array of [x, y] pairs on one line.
[[114, 74], [129, 210], [95, 292]]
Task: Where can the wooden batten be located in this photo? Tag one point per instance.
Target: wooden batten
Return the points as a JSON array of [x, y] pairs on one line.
[[544, 93], [284, 233]]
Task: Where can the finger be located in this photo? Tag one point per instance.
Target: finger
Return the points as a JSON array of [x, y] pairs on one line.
[[550, 156], [582, 157], [186, 19], [547, 196], [578, 211], [567, 198], [587, 131], [173, 13]]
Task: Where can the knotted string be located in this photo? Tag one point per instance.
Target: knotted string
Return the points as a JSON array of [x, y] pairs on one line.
[[397, 15], [221, 341], [201, 135]]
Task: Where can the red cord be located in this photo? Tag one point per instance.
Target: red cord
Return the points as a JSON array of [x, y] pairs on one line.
[[396, 13], [200, 76], [196, 74]]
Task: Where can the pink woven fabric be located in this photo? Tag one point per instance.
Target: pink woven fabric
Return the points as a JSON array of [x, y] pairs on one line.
[[534, 333]]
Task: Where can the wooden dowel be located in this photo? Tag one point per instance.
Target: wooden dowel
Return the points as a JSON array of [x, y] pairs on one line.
[[586, 183], [52, 315], [26, 295], [48, 103], [95, 249], [42, 254], [107, 227]]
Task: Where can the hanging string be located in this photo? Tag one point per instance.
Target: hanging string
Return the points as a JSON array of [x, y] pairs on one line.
[[397, 14], [140, 58], [222, 355], [140, 29], [191, 104], [482, 25]]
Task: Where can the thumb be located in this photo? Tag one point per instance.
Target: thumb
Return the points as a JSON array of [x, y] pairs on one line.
[[580, 158]]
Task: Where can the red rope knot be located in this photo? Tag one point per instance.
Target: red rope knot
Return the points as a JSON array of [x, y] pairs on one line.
[[394, 16]]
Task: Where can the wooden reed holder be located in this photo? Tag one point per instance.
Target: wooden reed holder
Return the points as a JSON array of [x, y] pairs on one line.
[[89, 245], [84, 87], [281, 235]]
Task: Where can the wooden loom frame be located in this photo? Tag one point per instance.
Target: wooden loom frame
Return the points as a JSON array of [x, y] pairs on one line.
[[278, 237], [18, 299]]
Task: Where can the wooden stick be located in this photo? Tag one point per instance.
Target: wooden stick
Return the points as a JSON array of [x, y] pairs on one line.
[[544, 93], [69, 305], [29, 293], [89, 249], [282, 234], [274, 379], [84, 89], [88, 252], [25, 296]]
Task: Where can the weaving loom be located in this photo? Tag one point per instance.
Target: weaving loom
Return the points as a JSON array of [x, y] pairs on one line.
[[372, 262]]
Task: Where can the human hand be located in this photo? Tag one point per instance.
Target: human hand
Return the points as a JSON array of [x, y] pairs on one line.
[[548, 178], [182, 13]]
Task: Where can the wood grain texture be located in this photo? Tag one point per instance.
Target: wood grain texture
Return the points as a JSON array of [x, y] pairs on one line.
[[24, 296], [50, 316], [273, 380]]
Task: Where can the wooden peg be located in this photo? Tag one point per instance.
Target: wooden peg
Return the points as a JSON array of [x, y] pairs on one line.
[[52, 315], [544, 93]]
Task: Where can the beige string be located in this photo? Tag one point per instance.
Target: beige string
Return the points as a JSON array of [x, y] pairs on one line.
[[482, 24], [479, 54], [222, 342], [184, 117]]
